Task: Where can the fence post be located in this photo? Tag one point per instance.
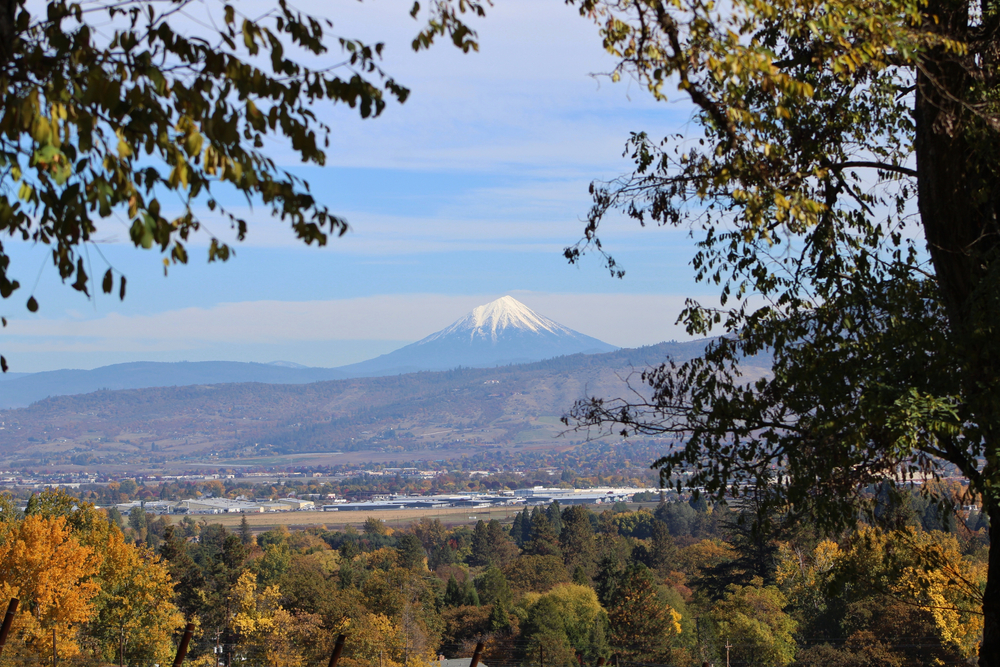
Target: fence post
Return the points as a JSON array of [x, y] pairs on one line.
[[338, 648], [476, 655], [183, 648]]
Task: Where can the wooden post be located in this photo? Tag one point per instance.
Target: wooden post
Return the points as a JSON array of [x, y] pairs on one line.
[[338, 648], [7, 621], [476, 655], [183, 648]]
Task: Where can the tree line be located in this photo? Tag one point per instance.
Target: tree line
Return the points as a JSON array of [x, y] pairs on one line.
[[679, 583]]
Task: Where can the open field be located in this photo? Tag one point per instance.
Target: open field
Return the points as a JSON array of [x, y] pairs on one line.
[[333, 520], [451, 516]]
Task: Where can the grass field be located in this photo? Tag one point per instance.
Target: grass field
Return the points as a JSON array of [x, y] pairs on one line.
[[452, 516], [338, 520]]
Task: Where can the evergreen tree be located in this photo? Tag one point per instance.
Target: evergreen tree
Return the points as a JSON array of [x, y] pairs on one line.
[[442, 554], [114, 516], [502, 549], [525, 527], [492, 585], [411, 552], [454, 596], [189, 582], [517, 530], [480, 554], [642, 625], [499, 620], [680, 518], [616, 554], [754, 536], [554, 513], [544, 541], [577, 540], [137, 521], [246, 535], [470, 596], [662, 550]]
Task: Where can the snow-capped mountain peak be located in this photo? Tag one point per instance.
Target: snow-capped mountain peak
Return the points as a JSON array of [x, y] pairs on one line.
[[493, 318], [501, 332]]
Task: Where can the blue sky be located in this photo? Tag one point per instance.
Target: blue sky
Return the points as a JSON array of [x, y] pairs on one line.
[[467, 192]]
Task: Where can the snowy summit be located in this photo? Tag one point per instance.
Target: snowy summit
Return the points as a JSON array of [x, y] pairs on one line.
[[493, 319], [498, 333]]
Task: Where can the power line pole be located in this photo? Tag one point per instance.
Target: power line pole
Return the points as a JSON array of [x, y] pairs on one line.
[[727, 652]]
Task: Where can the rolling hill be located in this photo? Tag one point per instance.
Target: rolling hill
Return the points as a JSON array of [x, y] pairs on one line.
[[508, 405]]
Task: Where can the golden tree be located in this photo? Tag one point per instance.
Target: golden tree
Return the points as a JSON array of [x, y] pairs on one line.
[[53, 575]]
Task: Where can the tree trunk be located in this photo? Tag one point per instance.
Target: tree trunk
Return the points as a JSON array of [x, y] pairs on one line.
[[989, 650], [959, 206]]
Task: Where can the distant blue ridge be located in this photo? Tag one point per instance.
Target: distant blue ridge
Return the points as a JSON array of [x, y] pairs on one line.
[[499, 333]]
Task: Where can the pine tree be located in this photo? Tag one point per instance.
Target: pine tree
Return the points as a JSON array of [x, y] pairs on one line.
[[246, 535], [480, 545], [641, 623], [502, 549], [499, 617], [492, 585], [517, 530], [577, 540], [470, 594], [454, 596], [544, 541], [663, 551], [525, 527], [554, 512]]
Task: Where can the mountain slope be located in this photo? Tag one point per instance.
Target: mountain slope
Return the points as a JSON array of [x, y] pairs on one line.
[[499, 333], [511, 405], [22, 391]]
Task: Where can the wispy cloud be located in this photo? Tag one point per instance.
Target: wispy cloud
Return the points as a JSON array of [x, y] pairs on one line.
[[620, 319]]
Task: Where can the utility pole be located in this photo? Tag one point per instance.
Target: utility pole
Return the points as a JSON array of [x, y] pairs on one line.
[[727, 652]]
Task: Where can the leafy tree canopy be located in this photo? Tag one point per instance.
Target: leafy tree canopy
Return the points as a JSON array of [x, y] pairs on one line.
[[842, 191], [121, 109]]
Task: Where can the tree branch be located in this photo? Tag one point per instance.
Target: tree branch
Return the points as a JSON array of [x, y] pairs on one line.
[[905, 171]]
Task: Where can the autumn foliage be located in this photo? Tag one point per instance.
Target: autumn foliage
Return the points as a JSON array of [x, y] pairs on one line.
[[678, 584]]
